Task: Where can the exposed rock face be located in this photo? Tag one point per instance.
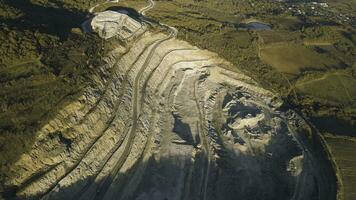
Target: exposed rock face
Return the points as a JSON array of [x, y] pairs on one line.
[[109, 24], [165, 120]]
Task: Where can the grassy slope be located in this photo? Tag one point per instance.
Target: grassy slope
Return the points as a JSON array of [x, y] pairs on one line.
[[292, 59]]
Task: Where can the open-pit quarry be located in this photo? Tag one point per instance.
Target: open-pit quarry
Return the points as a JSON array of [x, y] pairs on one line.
[[164, 120]]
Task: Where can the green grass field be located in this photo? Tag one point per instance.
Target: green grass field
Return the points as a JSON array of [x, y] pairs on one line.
[[272, 37], [293, 59], [336, 87]]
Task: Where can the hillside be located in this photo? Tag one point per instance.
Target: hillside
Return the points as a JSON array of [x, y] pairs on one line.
[[177, 99]]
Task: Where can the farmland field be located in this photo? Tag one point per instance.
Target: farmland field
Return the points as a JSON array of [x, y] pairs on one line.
[[337, 87], [343, 150], [295, 59]]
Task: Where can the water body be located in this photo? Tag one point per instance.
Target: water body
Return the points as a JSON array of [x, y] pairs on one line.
[[258, 26]]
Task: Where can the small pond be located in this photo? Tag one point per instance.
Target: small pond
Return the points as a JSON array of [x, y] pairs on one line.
[[258, 26]]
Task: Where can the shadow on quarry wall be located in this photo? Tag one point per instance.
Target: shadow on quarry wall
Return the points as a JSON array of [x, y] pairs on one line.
[[247, 177], [321, 166], [155, 179], [260, 176], [183, 130]]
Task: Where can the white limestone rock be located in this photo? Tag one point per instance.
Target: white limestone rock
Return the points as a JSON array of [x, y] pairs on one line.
[[109, 24]]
